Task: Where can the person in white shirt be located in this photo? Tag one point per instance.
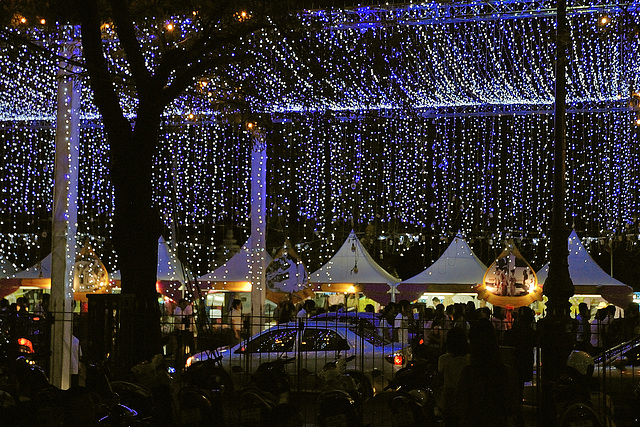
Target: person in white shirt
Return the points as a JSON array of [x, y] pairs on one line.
[[401, 322], [235, 316], [307, 309]]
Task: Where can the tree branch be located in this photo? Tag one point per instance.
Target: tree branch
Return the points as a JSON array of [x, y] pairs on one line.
[[101, 80], [202, 58], [127, 35]]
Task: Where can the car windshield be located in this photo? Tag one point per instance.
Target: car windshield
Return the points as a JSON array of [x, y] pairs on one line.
[[370, 335], [277, 340]]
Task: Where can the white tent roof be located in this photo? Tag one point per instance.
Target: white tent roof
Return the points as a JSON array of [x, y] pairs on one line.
[[41, 270], [584, 271], [169, 266], [341, 268], [7, 269], [458, 265], [236, 269]]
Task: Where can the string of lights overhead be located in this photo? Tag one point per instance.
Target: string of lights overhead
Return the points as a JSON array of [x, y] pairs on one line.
[[421, 131]]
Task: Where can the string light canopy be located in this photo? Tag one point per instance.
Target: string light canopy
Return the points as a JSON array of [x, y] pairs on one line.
[[423, 121]]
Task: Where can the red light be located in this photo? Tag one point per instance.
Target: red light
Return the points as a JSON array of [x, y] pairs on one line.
[[398, 359], [25, 343], [421, 341]]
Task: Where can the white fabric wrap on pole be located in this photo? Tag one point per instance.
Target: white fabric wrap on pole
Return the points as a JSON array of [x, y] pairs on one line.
[[65, 214], [258, 228]]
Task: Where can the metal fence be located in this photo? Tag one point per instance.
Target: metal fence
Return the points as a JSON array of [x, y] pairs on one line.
[[373, 351], [379, 352]]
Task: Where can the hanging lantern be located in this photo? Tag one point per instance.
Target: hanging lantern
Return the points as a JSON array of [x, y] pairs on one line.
[[89, 274], [510, 281]]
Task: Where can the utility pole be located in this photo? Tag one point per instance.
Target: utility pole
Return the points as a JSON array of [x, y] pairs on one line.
[[258, 225], [65, 213]]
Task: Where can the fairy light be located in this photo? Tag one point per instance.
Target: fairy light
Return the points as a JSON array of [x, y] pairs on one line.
[[439, 129]]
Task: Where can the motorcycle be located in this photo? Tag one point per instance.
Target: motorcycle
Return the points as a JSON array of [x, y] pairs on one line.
[[206, 386], [36, 402], [340, 402], [265, 400], [413, 403], [209, 375], [573, 392]]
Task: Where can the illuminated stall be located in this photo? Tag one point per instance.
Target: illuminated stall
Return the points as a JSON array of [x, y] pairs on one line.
[[89, 276], [232, 277], [451, 279], [171, 275], [592, 284], [35, 278], [352, 271], [510, 281]]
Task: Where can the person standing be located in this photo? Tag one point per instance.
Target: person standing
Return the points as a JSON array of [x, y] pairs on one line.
[[401, 322], [183, 319], [307, 309], [524, 339], [235, 317], [583, 335], [486, 393], [386, 321], [450, 367], [597, 331]]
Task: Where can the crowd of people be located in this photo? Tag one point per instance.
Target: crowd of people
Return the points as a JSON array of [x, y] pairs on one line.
[[483, 355]]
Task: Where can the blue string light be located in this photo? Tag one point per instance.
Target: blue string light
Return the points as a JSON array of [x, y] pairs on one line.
[[440, 129]]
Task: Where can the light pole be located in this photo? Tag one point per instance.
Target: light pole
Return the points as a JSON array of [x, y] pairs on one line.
[[556, 333]]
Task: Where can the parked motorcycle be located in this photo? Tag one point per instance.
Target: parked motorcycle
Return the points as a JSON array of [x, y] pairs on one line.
[[414, 403], [36, 402], [573, 391], [205, 388], [209, 375], [340, 402], [266, 399]]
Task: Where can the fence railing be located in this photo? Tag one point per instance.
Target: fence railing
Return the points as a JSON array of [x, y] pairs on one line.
[[379, 352]]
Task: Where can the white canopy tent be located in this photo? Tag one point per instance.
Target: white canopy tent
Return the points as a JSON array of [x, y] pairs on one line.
[[352, 270], [456, 271], [7, 269], [588, 278], [37, 275], [170, 275], [235, 274], [89, 276]]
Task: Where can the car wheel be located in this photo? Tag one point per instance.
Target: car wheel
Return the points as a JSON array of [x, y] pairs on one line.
[[363, 385]]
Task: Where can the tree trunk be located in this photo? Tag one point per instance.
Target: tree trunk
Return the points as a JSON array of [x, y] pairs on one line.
[[136, 232]]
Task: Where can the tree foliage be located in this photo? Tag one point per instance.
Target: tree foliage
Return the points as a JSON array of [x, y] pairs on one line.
[[155, 61]]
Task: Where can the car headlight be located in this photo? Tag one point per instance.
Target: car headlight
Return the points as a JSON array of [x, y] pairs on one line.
[[190, 361]]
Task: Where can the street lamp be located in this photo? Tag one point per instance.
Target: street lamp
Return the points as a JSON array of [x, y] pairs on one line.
[[556, 333]]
